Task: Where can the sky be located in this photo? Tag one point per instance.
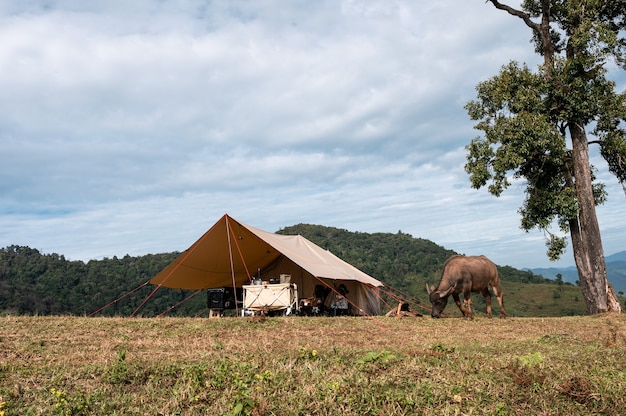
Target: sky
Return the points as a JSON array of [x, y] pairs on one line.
[[131, 127]]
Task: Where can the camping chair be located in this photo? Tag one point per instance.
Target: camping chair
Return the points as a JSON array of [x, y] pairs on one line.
[[270, 298], [340, 305]]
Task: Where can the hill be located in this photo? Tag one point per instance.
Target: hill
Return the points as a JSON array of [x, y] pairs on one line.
[[615, 271], [32, 283], [621, 256]]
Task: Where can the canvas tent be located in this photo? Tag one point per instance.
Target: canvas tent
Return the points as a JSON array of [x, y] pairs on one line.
[[231, 254]]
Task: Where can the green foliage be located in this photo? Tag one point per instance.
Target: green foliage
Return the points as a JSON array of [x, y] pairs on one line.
[[243, 404], [308, 354], [613, 150], [511, 274], [441, 348], [376, 359], [531, 360], [71, 404], [118, 372], [556, 245], [48, 284]]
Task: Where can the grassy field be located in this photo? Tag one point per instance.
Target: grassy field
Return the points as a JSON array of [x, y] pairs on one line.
[[312, 366], [532, 300]]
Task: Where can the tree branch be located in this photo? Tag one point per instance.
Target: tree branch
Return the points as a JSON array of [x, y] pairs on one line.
[[543, 28], [518, 13]]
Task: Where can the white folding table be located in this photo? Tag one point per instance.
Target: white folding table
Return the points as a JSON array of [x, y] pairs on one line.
[[270, 297]]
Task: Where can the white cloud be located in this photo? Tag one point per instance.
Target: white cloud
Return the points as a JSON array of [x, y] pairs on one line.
[[130, 127]]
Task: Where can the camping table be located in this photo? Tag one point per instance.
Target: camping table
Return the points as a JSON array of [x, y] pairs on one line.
[[271, 297]]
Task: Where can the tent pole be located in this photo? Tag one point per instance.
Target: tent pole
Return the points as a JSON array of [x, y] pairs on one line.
[[232, 266], [241, 255]]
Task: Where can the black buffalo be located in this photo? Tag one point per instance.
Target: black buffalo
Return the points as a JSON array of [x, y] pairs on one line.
[[466, 274]]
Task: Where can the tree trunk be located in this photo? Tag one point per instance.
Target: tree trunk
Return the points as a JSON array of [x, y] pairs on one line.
[[585, 233]]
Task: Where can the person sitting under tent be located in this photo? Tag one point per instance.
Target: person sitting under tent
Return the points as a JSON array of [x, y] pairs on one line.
[[340, 306], [315, 305]]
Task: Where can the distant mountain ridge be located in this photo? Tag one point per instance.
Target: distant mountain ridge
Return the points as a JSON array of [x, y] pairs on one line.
[[615, 270], [621, 256]]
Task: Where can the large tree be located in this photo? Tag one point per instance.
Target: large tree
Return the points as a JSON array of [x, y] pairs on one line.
[[537, 127]]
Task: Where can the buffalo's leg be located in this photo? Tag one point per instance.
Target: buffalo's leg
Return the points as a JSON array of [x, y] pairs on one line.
[[487, 295], [457, 300], [467, 298], [500, 297]]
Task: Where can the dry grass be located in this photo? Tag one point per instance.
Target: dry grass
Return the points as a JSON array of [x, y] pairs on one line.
[[307, 366]]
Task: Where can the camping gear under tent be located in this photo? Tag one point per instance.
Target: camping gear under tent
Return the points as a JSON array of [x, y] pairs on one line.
[[232, 254]]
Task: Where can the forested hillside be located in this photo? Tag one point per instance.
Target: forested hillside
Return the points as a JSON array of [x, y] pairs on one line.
[[49, 284], [399, 260]]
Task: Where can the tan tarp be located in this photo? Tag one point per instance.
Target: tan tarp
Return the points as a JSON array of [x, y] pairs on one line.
[[231, 253]]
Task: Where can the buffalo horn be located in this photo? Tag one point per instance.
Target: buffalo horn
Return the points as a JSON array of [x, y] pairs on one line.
[[447, 292]]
